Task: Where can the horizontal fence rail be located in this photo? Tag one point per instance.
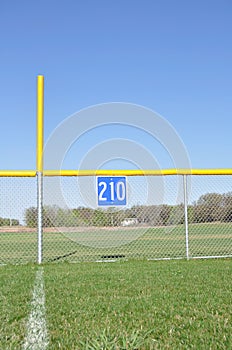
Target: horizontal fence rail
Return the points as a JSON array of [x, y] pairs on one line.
[[167, 214], [99, 172]]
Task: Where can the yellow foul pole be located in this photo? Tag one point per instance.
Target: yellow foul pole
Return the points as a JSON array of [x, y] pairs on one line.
[[39, 164], [40, 117]]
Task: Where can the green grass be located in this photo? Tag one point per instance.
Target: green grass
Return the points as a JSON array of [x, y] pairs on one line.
[[16, 283], [124, 305], [154, 243]]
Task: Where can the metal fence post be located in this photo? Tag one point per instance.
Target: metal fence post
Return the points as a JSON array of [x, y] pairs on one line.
[[40, 215], [186, 216]]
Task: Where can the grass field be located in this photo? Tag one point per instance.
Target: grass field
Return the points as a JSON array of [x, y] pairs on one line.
[[91, 244], [124, 305]]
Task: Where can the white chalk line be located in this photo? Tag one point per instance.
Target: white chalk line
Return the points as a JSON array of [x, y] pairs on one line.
[[37, 334]]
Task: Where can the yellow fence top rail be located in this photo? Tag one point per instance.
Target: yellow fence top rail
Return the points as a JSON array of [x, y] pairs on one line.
[[17, 173], [137, 172]]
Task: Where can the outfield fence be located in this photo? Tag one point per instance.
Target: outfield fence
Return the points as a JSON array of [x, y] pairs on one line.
[[57, 215], [169, 214]]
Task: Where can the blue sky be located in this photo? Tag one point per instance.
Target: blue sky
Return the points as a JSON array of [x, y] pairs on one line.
[[174, 57]]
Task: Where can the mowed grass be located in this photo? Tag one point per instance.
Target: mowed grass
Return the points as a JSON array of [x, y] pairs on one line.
[[124, 305], [16, 284], [91, 244]]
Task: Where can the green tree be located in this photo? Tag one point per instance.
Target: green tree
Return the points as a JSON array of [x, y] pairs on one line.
[[31, 217], [165, 214], [208, 208], [100, 218], [176, 215], [227, 214]]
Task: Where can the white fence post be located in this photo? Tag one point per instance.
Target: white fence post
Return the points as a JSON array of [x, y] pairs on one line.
[[40, 215]]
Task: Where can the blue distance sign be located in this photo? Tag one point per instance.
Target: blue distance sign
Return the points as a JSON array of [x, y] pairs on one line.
[[111, 190]]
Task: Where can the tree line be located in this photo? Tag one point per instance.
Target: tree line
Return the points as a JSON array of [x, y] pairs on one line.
[[8, 222], [209, 207]]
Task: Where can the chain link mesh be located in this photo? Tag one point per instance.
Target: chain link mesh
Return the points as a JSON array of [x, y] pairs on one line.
[[151, 225], [210, 216], [18, 239]]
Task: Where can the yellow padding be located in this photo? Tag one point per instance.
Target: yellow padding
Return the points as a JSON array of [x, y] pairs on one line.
[[17, 173], [137, 172]]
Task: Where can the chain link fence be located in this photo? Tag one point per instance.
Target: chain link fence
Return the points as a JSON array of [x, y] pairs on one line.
[[163, 219], [210, 216], [18, 238]]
